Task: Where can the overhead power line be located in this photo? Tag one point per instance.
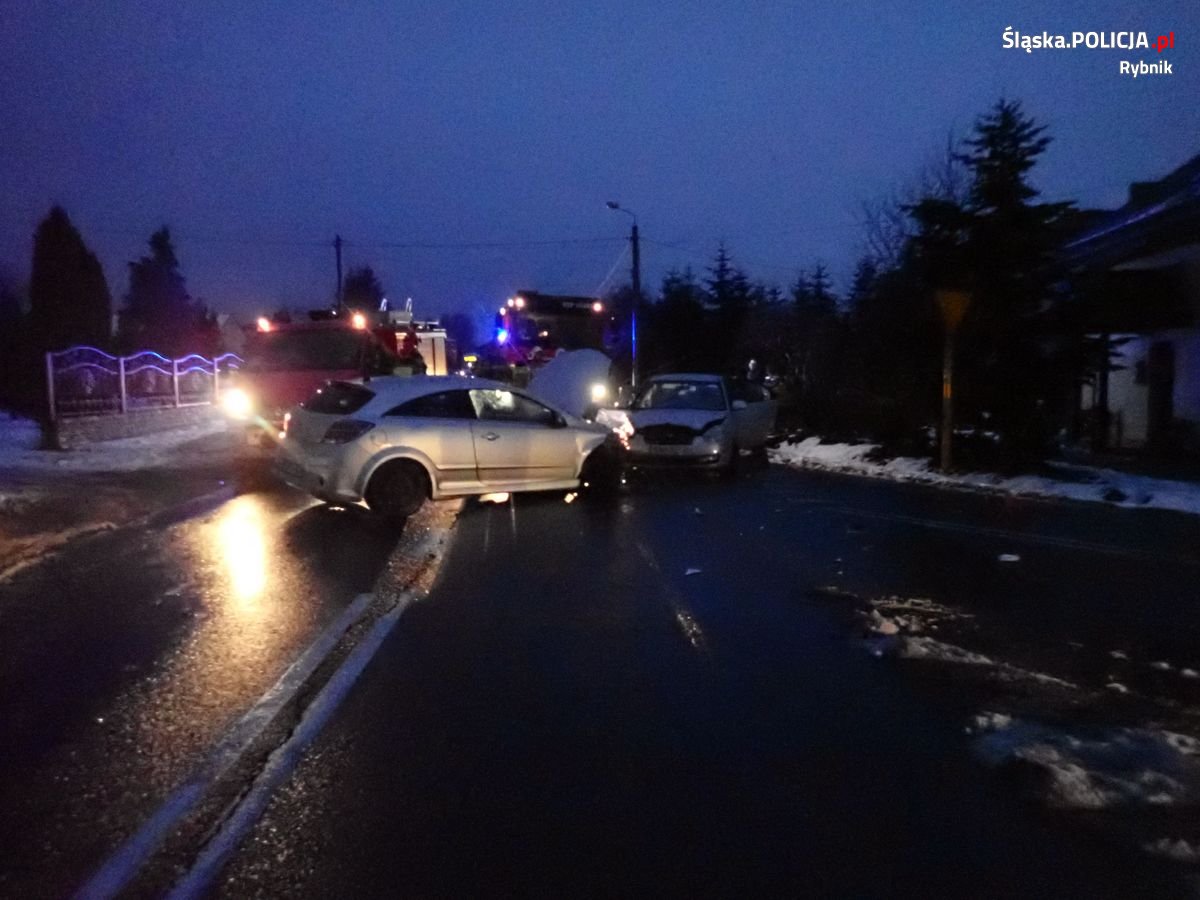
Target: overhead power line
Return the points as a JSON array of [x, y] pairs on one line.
[[701, 254], [473, 245]]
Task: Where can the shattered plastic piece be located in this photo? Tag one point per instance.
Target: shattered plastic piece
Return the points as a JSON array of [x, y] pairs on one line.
[[1009, 557]]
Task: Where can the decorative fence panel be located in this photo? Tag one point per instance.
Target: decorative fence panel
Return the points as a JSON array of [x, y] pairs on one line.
[[84, 381]]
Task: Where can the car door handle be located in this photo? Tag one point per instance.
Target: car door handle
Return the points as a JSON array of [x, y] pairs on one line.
[[491, 436]]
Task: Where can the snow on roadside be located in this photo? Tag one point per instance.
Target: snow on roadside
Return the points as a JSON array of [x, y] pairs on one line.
[[121, 455], [1090, 484], [1094, 768]]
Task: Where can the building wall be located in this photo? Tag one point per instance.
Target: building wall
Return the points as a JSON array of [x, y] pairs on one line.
[[1128, 388]]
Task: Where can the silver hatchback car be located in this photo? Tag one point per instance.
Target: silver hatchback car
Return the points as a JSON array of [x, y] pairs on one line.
[[394, 442]]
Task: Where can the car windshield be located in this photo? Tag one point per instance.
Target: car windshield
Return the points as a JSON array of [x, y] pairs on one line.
[[324, 349], [705, 395]]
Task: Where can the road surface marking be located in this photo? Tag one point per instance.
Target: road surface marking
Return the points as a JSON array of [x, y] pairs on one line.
[[120, 868], [687, 623], [285, 758]]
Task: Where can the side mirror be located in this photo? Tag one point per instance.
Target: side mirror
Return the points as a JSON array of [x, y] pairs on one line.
[[738, 404]]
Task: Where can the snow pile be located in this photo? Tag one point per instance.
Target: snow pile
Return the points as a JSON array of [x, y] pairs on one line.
[[1177, 850], [1093, 768], [1091, 484], [125, 454]]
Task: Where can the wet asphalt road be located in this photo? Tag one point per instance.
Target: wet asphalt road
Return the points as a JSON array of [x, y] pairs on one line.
[[573, 711], [123, 659]]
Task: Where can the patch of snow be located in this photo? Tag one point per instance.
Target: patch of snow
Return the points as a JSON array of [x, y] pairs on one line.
[[692, 572], [1189, 673], [1086, 482], [1178, 850], [124, 454], [1162, 665], [1093, 768], [928, 649], [1009, 557], [1117, 687], [1118, 654]]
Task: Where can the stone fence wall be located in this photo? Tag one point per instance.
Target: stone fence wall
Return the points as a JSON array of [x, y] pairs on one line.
[[78, 431]]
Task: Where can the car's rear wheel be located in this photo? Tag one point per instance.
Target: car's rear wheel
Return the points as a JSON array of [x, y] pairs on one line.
[[397, 489]]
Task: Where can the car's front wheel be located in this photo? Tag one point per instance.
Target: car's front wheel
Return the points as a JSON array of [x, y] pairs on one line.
[[601, 472], [729, 471], [397, 489]]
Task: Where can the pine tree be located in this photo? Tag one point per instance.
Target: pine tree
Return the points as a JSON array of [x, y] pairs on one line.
[[1009, 238], [159, 313], [69, 301], [362, 289]]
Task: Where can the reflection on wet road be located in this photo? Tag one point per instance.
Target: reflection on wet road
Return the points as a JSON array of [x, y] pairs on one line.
[[643, 697], [122, 662]]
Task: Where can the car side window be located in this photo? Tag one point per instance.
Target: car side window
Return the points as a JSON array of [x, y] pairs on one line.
[[505, 406], [442, 405]]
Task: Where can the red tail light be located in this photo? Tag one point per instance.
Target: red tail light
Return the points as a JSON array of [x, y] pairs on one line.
[[346, 430]]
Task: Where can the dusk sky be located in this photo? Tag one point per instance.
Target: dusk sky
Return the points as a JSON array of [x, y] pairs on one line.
[[257, 130]]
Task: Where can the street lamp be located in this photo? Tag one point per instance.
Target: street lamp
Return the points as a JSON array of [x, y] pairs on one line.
[[636, 276]]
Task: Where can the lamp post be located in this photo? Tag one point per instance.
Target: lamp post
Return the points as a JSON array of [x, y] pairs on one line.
[[636, 277], [953, 306]]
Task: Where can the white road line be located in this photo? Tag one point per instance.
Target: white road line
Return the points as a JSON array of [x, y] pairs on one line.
[[285, 758], [120, 868], [687, 623]]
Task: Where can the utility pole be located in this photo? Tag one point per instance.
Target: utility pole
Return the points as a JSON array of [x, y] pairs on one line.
[[337, 249], [636, 278]]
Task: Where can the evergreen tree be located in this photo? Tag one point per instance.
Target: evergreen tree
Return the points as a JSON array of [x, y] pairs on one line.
[[159, 314], [679, 336], [362, 289], [820, 292], [68, 295], [999, 245], [17, 362], [862, 285], [730, 294]]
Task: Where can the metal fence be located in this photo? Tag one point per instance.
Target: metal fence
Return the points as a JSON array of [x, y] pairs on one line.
[[84, 381]]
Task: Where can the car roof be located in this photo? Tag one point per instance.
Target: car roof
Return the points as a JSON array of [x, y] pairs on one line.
[[689, 376], [413, 385]]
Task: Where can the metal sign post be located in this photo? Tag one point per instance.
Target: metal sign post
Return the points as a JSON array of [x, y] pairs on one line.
[[953, 306]]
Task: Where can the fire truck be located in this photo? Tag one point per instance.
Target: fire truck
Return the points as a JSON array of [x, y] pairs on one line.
[[531, 328], [286, 361]]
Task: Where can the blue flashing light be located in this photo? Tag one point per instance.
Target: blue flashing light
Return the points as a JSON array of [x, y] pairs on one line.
[[501, 335]]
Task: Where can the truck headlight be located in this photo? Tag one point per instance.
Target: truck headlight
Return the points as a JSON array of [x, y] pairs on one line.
[[237, 403], [599, 392]]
